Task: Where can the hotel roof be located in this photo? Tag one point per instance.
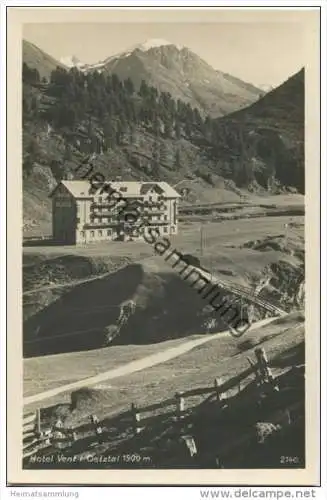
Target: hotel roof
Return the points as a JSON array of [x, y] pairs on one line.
[[83, 189]]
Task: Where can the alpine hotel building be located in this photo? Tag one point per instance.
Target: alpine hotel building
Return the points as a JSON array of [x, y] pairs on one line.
[[81, 214]]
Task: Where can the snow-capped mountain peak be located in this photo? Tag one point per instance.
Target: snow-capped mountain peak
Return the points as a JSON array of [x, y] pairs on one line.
[[154, 43], [149, 44], [72, 62]]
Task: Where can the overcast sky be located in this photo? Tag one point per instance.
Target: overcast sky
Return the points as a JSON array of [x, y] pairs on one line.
[[259, 53]]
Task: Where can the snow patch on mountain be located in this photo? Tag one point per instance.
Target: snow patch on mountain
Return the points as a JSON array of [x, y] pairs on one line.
[[266, 87], [144, 47]]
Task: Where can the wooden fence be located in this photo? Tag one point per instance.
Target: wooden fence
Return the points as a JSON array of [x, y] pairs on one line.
[[58, 437], [32, 437], [177, 405], [36, 439], [54, 437]]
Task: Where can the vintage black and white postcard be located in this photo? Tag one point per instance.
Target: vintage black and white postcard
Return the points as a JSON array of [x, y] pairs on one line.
[[163, 246]]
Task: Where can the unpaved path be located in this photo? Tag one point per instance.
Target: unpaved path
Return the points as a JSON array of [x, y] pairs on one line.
[[70, 284], [134, 366]]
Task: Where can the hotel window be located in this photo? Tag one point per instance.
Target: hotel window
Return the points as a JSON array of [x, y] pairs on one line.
[[166, 217], [92, 234], [165, 229], [109, 232], [100, 232], [82, 234]]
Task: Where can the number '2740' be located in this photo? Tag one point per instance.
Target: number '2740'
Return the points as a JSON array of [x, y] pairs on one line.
[[289, 460]]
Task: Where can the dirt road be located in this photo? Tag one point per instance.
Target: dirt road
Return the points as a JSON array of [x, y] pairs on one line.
[[138, 365]]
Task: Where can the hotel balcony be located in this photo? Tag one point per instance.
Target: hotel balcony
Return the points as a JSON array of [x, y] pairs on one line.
[[100, 225], [113, 201], [158, 204], [109, 202], [101, 214], [158, 223], [154, 211]]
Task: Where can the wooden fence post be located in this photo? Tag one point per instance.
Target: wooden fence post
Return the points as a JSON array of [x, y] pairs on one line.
[[216, 386], [180, 406], [97, 427], [256, 371], [57, 435], [48, 437], [219, 395], [189, 443], [264, 370], [38, 423], [136, 418]]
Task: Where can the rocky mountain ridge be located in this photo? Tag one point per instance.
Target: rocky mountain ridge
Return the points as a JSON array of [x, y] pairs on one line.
[[169, 68]]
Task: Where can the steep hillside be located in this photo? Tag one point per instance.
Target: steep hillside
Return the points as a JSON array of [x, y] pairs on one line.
[[35, 58], [98, 119], [133, 159], [282, 107], [272, 132]]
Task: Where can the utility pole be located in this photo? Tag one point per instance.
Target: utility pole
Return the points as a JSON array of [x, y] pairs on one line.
[[201, 239], [286, 232]]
